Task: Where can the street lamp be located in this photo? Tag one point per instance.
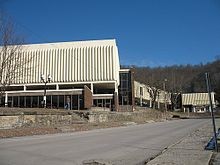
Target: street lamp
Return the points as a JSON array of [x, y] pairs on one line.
[[165, 96], [45, 81]]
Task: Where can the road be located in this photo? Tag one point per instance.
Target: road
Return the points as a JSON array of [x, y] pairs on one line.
[[123, 145]]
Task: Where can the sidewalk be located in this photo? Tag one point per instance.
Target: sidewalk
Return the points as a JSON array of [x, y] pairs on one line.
[[215, 159], [189, 150], [216, 156]]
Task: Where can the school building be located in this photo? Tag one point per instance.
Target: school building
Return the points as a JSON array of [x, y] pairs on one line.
[[82, 74], [74, 75]]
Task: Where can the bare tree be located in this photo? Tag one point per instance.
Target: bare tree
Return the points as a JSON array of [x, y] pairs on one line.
[[11, 62], [153, 92], [147, 76]]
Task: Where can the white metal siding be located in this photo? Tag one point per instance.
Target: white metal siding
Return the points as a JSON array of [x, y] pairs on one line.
[[197, 98], [70, 62]]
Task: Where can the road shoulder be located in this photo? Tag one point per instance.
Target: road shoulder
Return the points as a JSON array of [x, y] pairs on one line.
[[189, 150]]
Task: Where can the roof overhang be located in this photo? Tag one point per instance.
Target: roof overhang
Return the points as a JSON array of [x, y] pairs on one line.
[[48, 92], [103, 96]]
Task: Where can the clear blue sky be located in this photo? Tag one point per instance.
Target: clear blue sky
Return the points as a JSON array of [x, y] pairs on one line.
[[148, 32]]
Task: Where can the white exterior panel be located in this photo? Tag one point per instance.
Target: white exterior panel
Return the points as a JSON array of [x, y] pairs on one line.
[[197, 99], [82, 61]]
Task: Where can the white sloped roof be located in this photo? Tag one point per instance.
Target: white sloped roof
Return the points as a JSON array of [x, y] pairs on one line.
[[197, 99]]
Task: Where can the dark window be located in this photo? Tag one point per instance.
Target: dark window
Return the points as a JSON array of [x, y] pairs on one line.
[[141, 91], [35, 101], [125, 91]]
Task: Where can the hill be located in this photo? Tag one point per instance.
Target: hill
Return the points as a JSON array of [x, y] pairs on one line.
[[181, 78]]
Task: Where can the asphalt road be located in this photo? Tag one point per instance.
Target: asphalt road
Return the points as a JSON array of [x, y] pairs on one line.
[[124, 145]]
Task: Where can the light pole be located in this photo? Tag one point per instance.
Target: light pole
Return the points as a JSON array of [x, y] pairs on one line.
[[165, 96], [45, 81]]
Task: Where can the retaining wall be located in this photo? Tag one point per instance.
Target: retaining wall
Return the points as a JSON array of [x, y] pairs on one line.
[[22, 120], [8, 122], [138, 116]]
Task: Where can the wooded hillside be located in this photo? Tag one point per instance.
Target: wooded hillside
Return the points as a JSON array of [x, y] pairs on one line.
[[181, 78]]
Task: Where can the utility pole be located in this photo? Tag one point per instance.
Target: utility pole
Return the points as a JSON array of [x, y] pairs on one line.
[[208, 84], [165, 95]]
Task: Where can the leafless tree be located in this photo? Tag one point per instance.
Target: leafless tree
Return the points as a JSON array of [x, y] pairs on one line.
[[180, 79], [153, 92], [146, 76], [11, 61]]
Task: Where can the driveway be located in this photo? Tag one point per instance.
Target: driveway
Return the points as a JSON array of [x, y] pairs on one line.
[[123, 145]]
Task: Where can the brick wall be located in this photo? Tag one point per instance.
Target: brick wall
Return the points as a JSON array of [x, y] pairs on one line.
[[87, 97]]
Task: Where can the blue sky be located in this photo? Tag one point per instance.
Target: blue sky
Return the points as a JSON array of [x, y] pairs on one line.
[[148, 32]]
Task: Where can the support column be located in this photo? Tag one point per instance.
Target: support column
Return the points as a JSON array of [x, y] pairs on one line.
[[150, 103], [141, 101], [92, 88], [45, 101], [116, 102], [213, 100], [194, 109], [116, 88], [158, 100], [6, 99], [57, 87], [116, 98]]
